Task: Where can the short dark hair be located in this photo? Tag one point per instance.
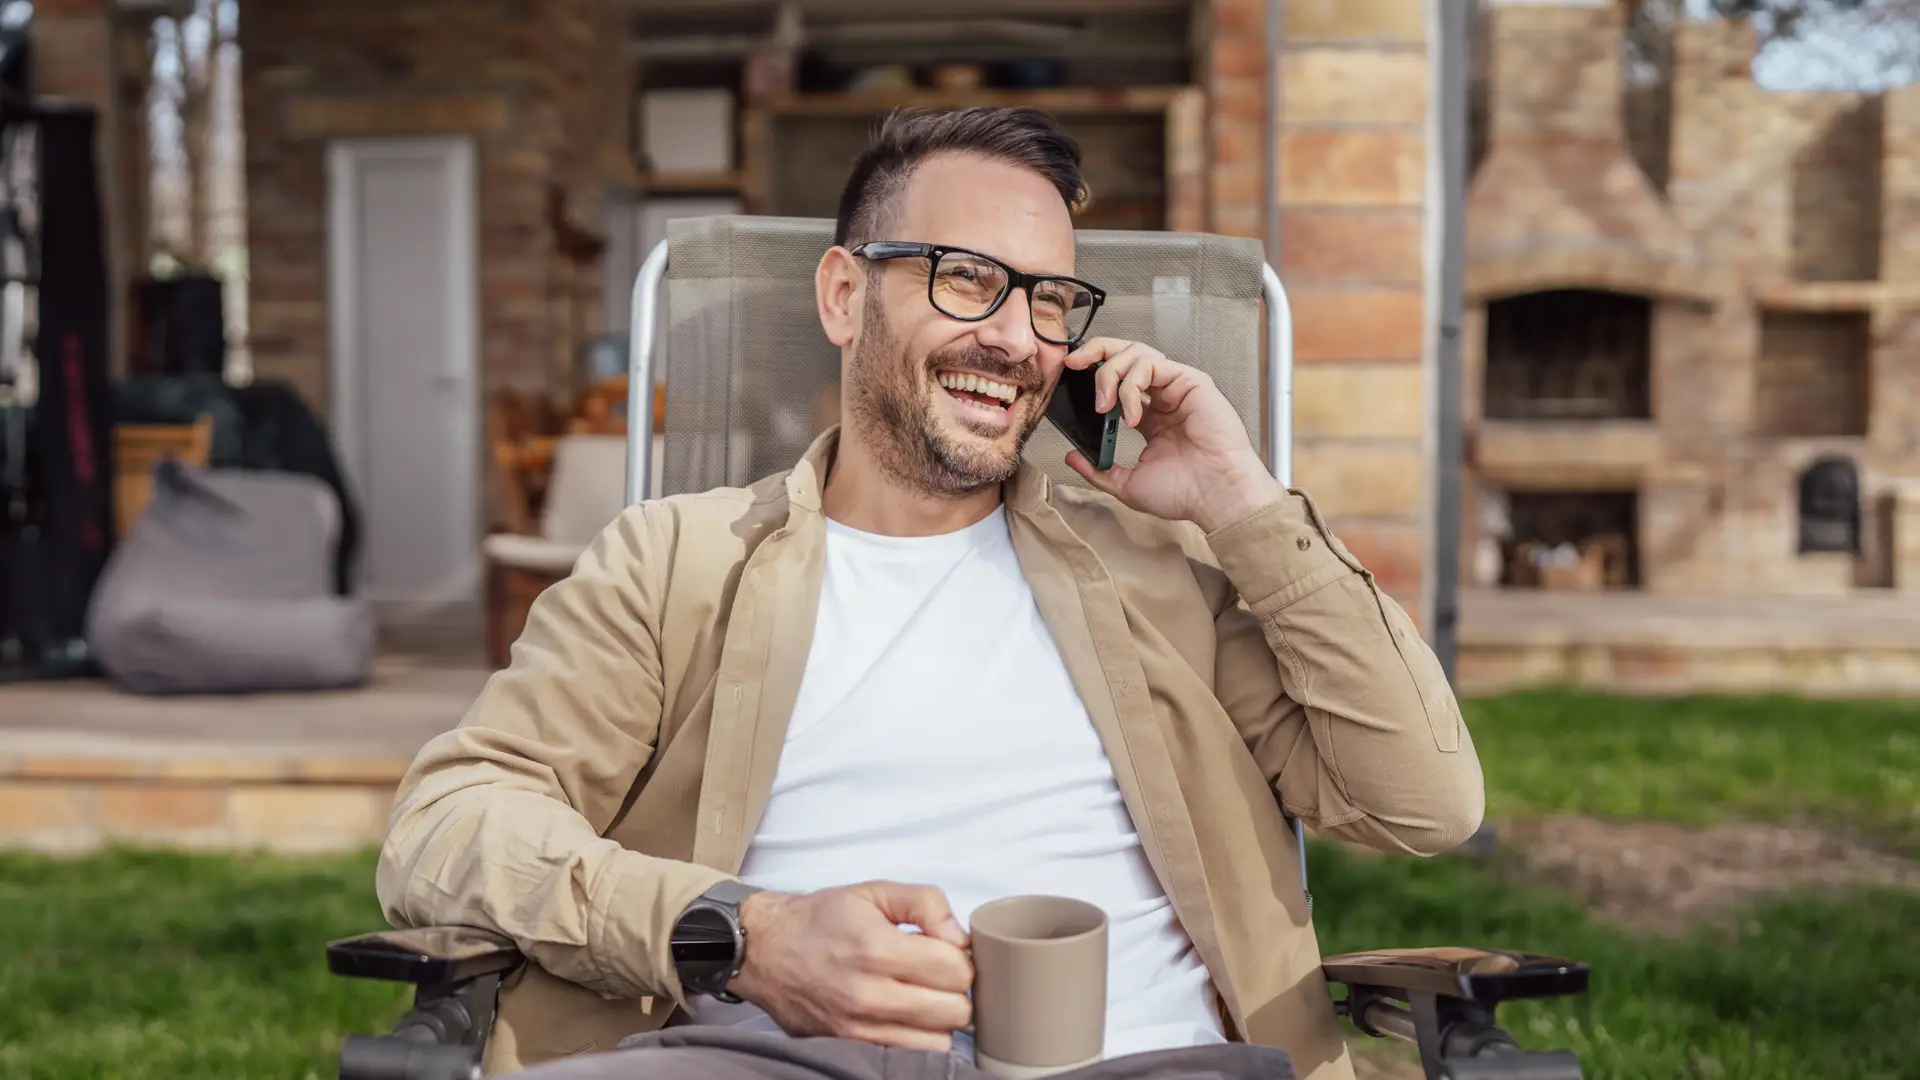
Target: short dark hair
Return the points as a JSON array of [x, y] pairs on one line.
[[1019, 135]]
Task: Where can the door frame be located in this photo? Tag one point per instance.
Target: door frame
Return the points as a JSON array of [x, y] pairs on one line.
[[346, 159]]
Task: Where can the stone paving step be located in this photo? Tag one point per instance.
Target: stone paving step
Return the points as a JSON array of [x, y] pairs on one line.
[[83, 765]]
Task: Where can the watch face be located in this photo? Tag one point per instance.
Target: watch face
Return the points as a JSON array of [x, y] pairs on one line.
[[704, 948], [701, 922]]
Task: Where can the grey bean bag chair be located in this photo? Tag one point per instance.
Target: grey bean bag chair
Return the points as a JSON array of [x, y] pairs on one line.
[[225, 585]]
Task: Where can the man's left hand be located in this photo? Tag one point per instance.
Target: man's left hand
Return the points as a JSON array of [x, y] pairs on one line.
[[1198, 464]]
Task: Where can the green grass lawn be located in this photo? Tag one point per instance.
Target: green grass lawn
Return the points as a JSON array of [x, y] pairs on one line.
[[1853, 764], [1803, 987], [152, 966], [142, 966]]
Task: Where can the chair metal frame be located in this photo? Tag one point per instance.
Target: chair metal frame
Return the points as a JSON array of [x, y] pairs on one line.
[[1441, 1000]]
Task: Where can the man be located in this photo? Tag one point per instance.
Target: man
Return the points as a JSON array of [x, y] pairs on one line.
[[911, 676]]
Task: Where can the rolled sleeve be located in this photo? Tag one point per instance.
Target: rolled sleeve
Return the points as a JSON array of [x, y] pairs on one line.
[[1344, 706]]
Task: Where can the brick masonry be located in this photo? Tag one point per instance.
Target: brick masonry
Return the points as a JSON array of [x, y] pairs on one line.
[[70, 805], [1778, 253], [1351, 177], [1235, 78], [532, 85]]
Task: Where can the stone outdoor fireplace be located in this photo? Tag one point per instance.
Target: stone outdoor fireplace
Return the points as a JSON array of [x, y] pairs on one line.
[[1569, 354], [1576, 540], [1690, 342]]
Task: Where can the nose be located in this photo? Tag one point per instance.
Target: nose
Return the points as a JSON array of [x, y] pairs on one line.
[[1010, 329]]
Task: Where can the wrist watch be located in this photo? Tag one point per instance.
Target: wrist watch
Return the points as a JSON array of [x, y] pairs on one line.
[[709, 944]]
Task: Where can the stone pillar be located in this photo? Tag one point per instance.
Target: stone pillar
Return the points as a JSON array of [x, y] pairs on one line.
[[74, 58], [1236, 82], [1903, 506], [1352, 188], [1894, 422]]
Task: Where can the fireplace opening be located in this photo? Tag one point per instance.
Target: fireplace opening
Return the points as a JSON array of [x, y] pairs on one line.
[[1580, 541], [1830, 506], [1569, 354]]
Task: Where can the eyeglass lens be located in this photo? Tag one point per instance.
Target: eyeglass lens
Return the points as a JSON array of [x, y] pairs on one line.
[[967, 286]]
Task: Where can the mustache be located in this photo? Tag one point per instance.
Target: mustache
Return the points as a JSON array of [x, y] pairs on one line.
[[989, 363]]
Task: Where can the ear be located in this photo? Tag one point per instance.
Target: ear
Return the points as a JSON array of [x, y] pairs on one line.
[[837, 284]]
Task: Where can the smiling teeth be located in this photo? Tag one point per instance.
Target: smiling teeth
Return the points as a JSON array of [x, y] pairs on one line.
[[979, 385]]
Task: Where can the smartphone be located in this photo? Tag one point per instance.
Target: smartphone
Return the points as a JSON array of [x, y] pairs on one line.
[[1093, 433]]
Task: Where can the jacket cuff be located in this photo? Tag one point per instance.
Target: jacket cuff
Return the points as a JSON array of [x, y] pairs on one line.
[[631, 930], [1281, 553]]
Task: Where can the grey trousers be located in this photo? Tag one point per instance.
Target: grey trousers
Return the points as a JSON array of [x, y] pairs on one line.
[[724, 1053]]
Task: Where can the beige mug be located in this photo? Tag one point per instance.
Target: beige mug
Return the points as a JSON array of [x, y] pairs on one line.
[[1039, 986]]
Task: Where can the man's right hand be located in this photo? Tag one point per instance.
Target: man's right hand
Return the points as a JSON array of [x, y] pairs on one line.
[[835, 962]]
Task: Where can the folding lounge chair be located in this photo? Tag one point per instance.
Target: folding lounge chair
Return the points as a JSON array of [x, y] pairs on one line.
[[752, 382]]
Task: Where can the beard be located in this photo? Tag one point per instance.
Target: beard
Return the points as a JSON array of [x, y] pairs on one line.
[[893, 409]]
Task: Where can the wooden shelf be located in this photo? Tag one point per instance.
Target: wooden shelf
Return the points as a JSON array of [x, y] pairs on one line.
[[1144, 99], [714, 183], [1128, 125]]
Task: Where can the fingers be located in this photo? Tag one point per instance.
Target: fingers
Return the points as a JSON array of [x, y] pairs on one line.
[[921, 905], [1130, 376], [924, 961], [1113, 481], [1133, 391], [900, 1004], [1094, 350], [938, 1042]]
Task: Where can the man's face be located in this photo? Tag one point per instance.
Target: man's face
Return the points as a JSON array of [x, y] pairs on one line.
[[915, 384]]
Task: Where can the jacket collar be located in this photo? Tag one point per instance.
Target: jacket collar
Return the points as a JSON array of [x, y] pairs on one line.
[[1028, 491]]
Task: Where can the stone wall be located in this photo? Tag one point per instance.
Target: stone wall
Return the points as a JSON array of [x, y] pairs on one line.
[[1352, 185], [1836, 198], [1790, 335]]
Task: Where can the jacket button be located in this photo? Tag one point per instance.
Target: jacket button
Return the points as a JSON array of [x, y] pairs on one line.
[[1303, 543]]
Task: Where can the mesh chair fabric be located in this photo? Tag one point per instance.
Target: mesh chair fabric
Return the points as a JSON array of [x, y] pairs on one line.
[[751, 381]]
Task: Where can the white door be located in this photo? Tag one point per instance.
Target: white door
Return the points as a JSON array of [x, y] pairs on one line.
[[403, 310]]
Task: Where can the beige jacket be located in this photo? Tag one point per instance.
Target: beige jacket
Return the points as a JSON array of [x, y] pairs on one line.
[[618, 767]]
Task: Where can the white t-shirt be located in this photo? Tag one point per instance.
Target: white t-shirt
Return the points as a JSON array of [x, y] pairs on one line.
[[938, 739]]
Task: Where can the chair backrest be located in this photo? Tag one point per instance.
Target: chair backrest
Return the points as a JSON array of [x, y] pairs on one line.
[[750, 379]]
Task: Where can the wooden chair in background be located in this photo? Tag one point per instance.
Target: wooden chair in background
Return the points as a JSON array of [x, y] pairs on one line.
[[558, 482]]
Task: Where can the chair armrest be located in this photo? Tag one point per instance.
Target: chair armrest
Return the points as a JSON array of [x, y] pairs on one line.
[[1443, 1000], [455, 972]]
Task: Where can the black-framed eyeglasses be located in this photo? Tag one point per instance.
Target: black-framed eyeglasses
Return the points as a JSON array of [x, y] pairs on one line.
[[969, 286]]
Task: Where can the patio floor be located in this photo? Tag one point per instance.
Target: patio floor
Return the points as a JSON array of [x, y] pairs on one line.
[[83, 764], [408, 700]]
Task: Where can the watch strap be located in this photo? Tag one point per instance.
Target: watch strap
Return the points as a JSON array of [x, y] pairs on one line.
[[731, 893]]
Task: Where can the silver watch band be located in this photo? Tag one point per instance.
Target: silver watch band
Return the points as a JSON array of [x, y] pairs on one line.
[[731, 893]]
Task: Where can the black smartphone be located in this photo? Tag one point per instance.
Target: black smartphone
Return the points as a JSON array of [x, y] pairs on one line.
[[1093, 433]]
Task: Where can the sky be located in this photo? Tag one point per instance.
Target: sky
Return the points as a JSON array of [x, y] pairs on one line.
[[1869, 49]]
